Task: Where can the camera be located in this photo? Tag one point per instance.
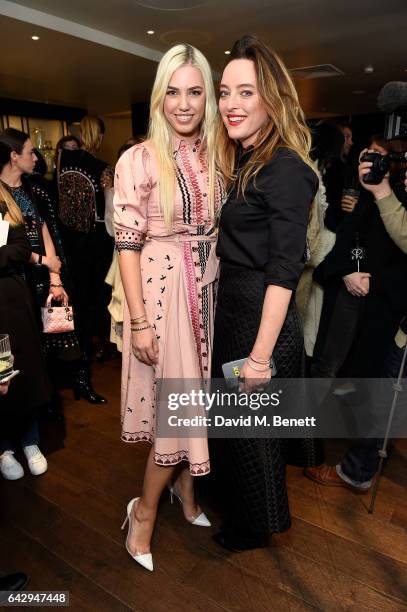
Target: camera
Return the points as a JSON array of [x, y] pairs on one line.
[[392, 99], [380, 165]]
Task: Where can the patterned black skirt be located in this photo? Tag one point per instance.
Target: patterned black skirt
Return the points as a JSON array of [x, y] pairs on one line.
[[250, 473]]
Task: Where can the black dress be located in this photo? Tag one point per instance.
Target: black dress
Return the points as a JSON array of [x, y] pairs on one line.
[[82, 179], [30, 389], [37, 208], [262, 241]]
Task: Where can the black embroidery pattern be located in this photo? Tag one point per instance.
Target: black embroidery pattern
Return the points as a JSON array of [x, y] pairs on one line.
[[77, 200], [186, 198], [128, 241], [198, 469], [157, 287], [137, 436]]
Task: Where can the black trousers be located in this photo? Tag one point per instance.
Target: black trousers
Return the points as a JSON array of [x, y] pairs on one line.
[[361, 461], [338, 327], [89, 258]]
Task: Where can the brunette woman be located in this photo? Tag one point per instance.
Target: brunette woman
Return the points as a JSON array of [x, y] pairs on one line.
[[30, 389], [263, 149], [46, 270]]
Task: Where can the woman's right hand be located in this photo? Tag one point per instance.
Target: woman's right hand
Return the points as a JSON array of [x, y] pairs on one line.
[[145, 346], [53, 263]]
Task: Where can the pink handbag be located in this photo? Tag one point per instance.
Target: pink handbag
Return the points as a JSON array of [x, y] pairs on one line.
[[56, 319]]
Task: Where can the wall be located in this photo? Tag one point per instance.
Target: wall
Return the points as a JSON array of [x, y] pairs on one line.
[[118, 130]]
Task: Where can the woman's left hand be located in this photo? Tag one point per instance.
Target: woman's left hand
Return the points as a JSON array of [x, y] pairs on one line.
[[59, 295], [253, 380]]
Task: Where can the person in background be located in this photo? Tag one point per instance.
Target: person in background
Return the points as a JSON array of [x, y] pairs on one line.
[[47, 272], [82, 181], [366, 294], [30, 389], [17, 580], [263, 147], [113, 278], [381, 342], [340, 177], [69, 143], [326, 145], [348, 140]]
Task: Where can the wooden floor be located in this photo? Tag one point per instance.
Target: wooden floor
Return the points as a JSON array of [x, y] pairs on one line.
[[63, 529]]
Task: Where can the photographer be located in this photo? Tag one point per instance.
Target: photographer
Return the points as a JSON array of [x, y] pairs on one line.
[[365, 295], [394, 216], [386, 303]]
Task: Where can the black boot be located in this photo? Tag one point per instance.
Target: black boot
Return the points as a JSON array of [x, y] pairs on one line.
[[83, 388], [13, 582]]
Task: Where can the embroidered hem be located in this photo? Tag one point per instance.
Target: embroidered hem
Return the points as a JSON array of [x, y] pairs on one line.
[[124, 245], [128, 240], [168, 459]]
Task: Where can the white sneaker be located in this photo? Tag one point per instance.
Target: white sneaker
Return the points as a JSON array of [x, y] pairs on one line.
[[36, 460], [10, 467]]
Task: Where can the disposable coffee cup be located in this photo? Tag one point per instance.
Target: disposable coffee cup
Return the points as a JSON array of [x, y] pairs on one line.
[[4, 225], [353, 193]]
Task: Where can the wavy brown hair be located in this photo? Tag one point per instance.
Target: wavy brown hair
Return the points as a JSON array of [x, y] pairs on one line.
[[286, 128]]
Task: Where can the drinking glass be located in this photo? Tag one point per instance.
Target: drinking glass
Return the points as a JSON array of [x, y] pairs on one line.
[[6, 359]]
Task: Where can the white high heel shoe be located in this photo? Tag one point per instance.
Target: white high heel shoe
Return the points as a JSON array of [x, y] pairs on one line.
[[145, 559], [201, 520]]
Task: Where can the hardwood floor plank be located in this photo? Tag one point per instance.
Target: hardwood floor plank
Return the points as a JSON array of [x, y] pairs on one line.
[[399, 516], [387, 500], [371, 568], [367, 530], [316, 583], [237, 589], [320, 580], [20, 552], [106, 562]]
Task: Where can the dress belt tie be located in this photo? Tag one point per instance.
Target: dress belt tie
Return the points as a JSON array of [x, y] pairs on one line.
[[184, 238]]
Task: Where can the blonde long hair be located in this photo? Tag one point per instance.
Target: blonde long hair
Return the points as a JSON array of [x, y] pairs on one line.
[[286, 128], [13, 214], [160, 132], [91, 129]]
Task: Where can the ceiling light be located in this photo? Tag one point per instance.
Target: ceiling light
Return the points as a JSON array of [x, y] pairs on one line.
[[35, 37], [227, 52], [150, 32]]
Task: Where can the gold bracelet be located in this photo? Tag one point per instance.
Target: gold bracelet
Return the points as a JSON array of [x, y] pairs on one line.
[[253, 367], [260, 361], [135, 319], [137, 329]]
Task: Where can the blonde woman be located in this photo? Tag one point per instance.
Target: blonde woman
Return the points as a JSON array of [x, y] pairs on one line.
[[263, 146], [30, 389], [166, 195]]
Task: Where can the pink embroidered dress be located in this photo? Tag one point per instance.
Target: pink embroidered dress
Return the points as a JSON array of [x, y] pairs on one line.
[[178, 273]]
